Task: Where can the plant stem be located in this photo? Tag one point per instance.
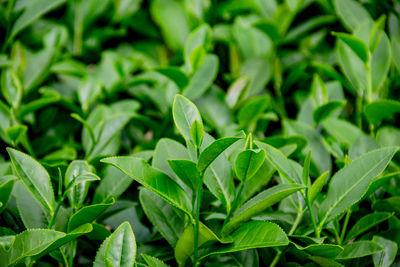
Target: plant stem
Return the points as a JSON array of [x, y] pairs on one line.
[[296, 222], [291, 231], [369, 92], [197, 219], [276, 258], [312, 217], [346, 222]]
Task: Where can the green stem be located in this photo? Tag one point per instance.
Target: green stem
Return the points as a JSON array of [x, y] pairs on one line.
[[197, 220], [346, 222], [359, 109], [276, 258], [296, 222], [53, 217], [369, 93], [291, 231], [312, 217], [234, 203]]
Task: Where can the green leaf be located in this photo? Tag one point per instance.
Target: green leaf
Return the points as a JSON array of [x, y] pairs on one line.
[[378, 110], [252, 110], [325, 111], [258, 204], [105, 132], [185, 246], [248, 162], [153, 261], [351, 13], [255, 234], [196, 46], [168, 149], [349, 184], [203, 78], [34, 176], [356, 44], [359, 249], [112, 185], [6, 187], [156, 181], [88, 214], [388, 255], [186, 170], [367, 222], [319, 155], [317, 186], [38, 242], [325, 262], [185, 113], [323, 250], [395, 46], [342, 130], [196, 133], [281, 163], [121, 247], [213, 151], [34, 10], [319, 92], [175, 75], [75, 177], [32, 213], [11, 88], [173, 21], [169, 221]]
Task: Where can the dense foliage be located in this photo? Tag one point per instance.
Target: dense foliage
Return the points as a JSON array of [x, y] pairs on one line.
[[199, 133]]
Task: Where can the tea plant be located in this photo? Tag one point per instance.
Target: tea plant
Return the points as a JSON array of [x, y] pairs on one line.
[[199, 133]]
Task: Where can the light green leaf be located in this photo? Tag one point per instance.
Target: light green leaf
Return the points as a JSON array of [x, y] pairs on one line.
[[258, 204], [173, 21], [203, 77], [88, 214], [34, 10], [11, 88], [156, 181], [281, 163], [342, 130], [32, 213], [185, 113], [169, 221], [255, 234], [75, 177], [121, 247], [388, 255], [325, 111], [248, 162], [367, 222], [211, 152], [196, 133], [317, 185], [185, 245], [356, 44], [112, 185], [351, 13], [34, 176], [378, 110], [38, 242], [175, 75], [186, 170], [359, 249], [349, 184], [153, 261]]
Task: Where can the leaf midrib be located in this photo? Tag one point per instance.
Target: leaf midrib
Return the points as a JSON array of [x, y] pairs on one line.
[[349, 189]]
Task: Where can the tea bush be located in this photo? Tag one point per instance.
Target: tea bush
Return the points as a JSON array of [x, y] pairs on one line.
[[199, 133]]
